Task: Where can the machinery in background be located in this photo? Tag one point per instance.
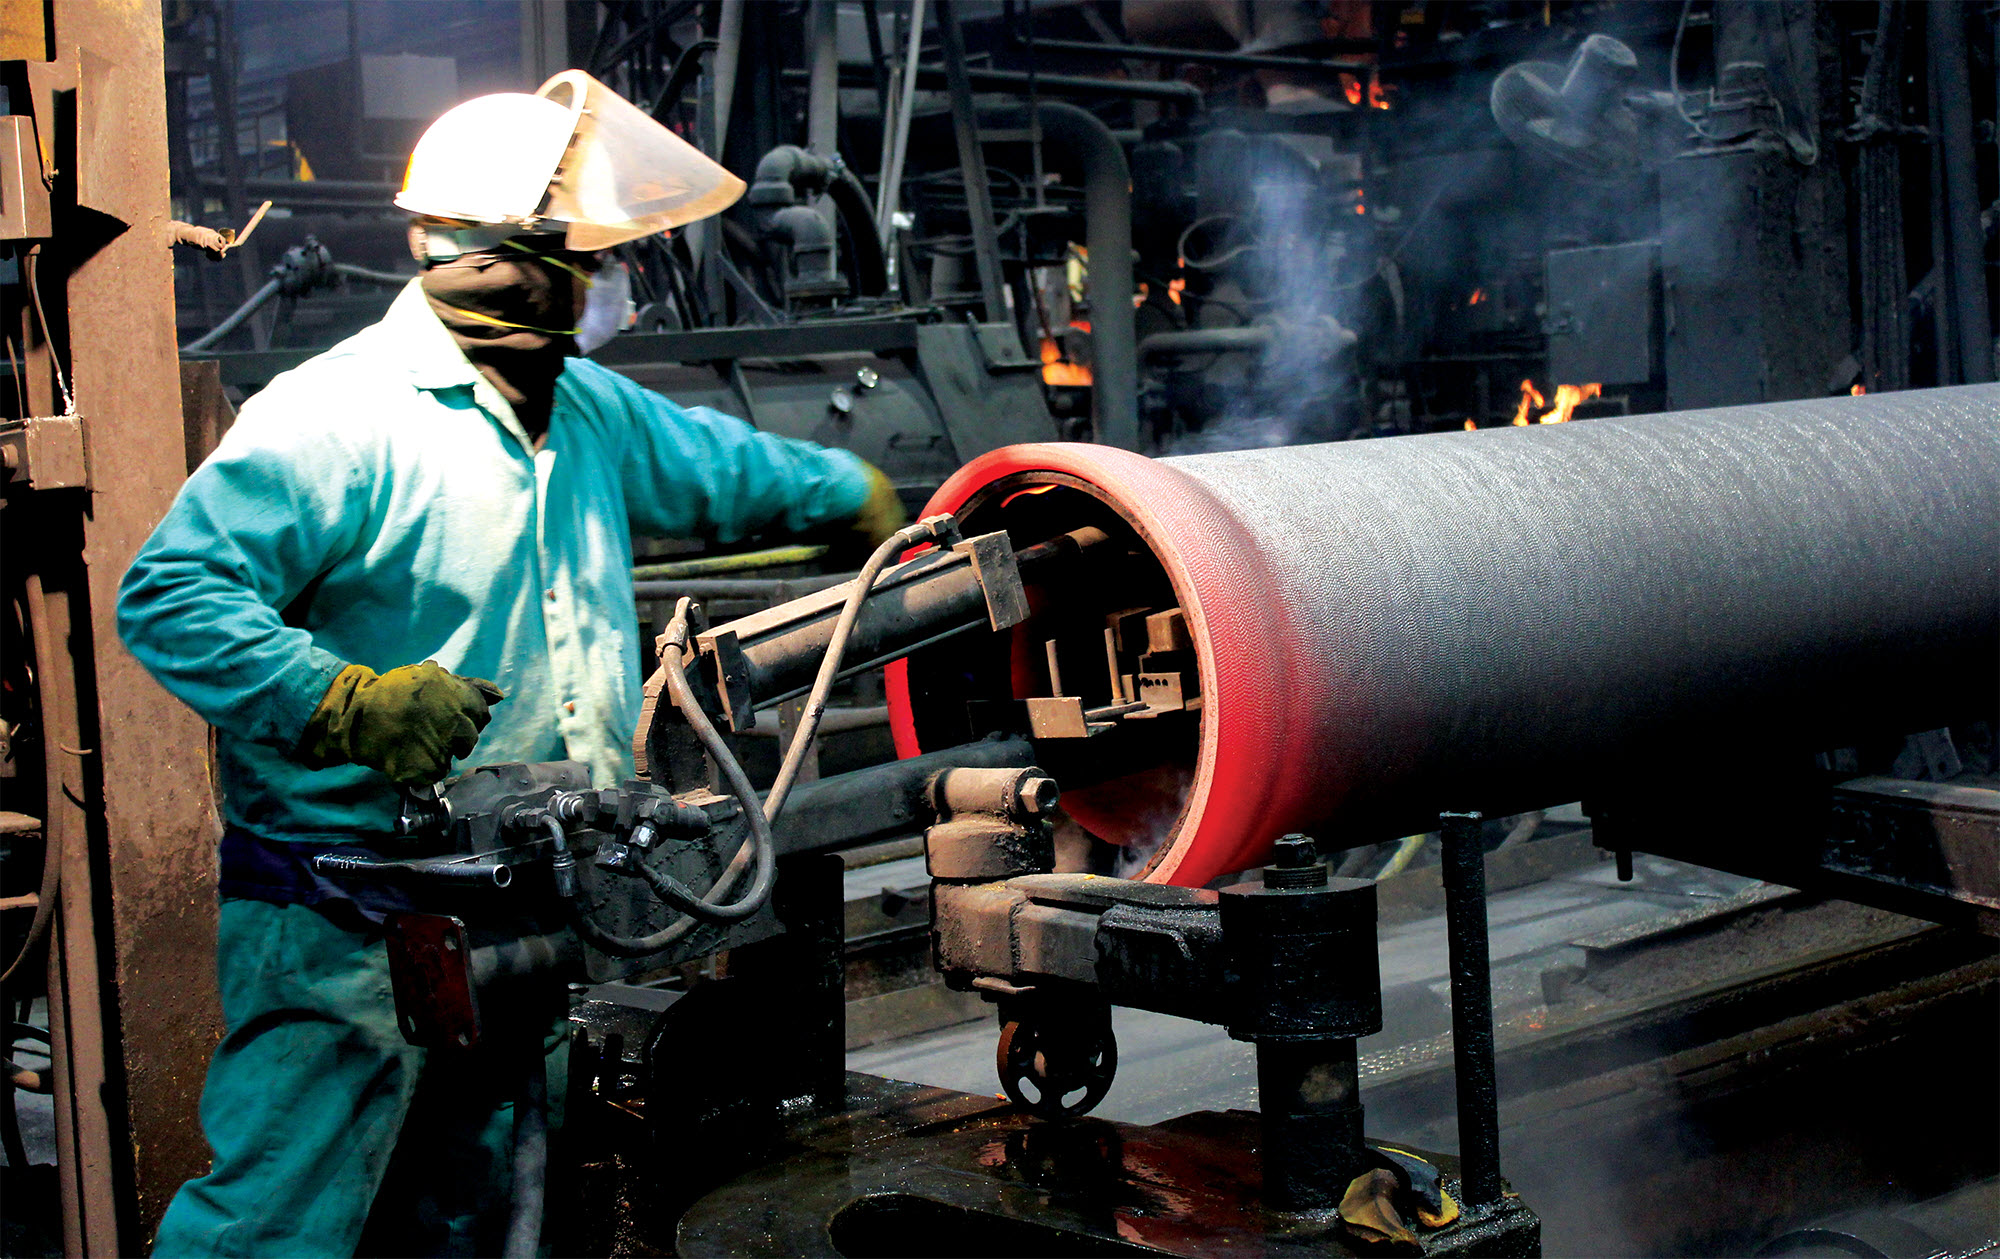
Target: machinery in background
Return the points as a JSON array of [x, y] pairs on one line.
[[1431, 217]]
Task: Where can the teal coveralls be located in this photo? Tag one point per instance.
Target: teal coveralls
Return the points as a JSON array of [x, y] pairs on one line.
[[382, 505]]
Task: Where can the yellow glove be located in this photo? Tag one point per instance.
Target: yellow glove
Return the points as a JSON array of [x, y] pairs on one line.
[[408, 723], [882, 514]]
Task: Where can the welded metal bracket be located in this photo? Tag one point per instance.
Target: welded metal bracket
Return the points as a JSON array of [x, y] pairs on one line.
[[999, 575]]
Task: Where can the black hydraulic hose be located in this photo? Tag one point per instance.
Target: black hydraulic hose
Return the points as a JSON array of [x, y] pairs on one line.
[[928, 529], [531, 1160], [764, 850], [696, 909], [761, 846], [372, 276], [235, 319], [871, 266]]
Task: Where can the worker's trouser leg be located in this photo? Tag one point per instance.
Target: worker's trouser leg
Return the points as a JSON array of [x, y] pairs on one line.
[[307, 1096]]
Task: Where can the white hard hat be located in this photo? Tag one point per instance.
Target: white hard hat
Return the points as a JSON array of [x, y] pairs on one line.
[[575, 153]]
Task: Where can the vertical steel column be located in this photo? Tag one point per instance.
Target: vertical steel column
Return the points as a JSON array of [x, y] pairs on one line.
[[78, 1048], [1471, 1007], [972, 160], [896, 138], [823, 87], [1882, 268], [1961, 252], [130, 815]]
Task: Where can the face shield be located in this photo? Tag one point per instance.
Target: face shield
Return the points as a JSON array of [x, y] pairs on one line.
[[574, 157], [625, 176]]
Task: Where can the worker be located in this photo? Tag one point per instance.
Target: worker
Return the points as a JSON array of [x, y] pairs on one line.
[[412, 554]]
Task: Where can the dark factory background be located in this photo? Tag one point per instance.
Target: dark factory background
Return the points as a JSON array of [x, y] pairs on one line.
[[1346, 219], [1175, 227]]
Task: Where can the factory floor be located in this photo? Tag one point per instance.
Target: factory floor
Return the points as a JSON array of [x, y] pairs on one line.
[[1690, 1063], [1675, 1068]]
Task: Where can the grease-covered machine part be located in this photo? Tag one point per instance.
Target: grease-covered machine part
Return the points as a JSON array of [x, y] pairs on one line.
[[1509, 618]]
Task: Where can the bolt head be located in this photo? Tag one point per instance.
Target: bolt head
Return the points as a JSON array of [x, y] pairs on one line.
[[1295, 850]]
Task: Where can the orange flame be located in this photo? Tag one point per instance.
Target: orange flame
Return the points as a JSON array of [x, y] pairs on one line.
[[1351, 88], [1530, 397], [1378, 96], [1469, 426], [1858, 389], [1567, 399], [1478, 296], [1056, 371]]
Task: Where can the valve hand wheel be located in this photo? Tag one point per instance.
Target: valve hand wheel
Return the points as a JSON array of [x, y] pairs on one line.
[[1058, 1068]]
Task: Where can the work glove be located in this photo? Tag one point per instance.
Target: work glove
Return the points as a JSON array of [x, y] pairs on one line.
[[881, 515], [408, 723]]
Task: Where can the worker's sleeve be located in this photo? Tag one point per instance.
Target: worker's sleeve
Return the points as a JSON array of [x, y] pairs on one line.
[[201, 606], [695, 472]]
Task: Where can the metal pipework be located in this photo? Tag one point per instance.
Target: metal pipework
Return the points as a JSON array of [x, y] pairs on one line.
[[1510, 617], [1081, 141], [473, 871]]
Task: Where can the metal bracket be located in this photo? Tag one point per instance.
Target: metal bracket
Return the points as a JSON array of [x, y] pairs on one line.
[[46, 452], [430, 973], [24, 198], [732, 678], [999, 575]]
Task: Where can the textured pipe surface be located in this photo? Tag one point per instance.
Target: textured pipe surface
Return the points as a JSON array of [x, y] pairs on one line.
[[1505, 618]]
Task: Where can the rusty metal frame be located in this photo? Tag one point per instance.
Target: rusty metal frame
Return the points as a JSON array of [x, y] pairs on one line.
[[130, 811]]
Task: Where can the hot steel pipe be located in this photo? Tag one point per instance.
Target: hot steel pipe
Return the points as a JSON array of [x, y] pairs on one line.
[[1498, 619]]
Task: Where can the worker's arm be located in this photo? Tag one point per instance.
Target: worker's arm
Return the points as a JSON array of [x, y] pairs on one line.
[[694, 472], [200, 607]]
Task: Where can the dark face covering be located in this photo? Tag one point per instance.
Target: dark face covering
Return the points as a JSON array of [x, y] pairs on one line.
[[522, 362]]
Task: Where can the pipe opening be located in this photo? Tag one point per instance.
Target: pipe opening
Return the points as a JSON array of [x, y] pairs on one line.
[[1103, 674]]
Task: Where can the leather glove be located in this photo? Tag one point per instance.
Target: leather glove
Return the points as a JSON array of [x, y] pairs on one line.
[[408, 723], [881, 515]]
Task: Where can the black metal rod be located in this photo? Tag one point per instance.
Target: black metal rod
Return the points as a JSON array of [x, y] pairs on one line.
[[1355, 48], [929, 78], [978, 197], [772, 588], [1471, 1006]]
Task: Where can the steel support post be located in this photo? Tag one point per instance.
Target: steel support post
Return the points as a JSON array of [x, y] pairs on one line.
[[1471, 1007], [131, 814], [1309, 1100], [1960, 245]]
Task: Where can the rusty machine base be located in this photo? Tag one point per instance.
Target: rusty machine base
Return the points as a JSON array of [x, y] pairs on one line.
[[907, 1169]]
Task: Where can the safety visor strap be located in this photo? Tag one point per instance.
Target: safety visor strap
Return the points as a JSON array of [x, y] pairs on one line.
[[539, 256], [503, 323]]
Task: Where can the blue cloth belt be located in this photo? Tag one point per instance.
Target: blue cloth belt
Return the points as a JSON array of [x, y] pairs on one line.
[[280, 872]]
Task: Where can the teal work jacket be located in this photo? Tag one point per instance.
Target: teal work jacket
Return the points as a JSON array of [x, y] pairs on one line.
[[382, 505]]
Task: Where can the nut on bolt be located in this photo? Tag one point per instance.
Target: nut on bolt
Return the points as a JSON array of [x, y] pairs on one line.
[[1295, 864], [1036, 795]]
